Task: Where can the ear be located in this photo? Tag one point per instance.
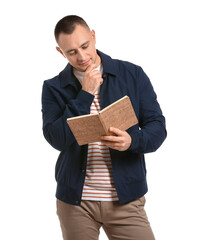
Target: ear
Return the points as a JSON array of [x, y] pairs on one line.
[[59, 50], [93, 35]]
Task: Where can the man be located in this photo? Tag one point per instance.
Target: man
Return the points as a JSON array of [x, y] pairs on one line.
[[102, 183]]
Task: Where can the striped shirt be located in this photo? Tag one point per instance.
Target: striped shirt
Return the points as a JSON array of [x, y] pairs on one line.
[[99, 182]]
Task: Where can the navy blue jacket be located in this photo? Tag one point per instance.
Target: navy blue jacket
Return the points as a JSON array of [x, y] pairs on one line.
[[62, 97]]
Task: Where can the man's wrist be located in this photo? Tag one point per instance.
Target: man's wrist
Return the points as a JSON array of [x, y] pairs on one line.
[[88, 91]]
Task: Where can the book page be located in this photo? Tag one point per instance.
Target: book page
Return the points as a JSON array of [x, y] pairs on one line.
[[86, 128], [119, 114]]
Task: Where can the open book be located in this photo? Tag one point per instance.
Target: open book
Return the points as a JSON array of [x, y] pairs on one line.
[[90, 127]]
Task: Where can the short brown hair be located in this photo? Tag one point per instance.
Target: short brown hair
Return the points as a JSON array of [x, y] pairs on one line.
[[68, 24]]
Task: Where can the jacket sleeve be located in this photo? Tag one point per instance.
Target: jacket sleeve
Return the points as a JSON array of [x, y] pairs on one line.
[[55, 128], [152, 130]]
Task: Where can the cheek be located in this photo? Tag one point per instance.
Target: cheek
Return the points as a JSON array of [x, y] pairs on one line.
[[94, 54], [92, 50], [71, 60]]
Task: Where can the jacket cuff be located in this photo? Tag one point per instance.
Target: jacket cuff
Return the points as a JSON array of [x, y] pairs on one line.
[[83, 102], [137, 141], [85, 97]]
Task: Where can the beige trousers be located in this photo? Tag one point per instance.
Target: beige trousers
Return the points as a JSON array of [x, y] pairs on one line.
[[119, 221]]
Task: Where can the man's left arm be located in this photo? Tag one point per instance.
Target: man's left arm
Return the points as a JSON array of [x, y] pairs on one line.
[[151, 132]]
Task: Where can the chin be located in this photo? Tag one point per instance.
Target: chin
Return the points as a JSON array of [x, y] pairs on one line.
[[80, 69]]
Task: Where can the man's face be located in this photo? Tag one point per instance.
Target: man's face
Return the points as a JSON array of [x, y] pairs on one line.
[[79, 48]]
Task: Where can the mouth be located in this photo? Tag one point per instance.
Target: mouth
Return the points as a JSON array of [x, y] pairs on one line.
[[85, 63]]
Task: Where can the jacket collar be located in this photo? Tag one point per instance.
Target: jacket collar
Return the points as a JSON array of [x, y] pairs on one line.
[[67, 77], [108, 64]]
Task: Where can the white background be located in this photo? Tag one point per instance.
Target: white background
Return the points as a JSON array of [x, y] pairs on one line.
[[167, 39]]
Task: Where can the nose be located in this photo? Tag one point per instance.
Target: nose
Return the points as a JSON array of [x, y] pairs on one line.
[[81, 56]]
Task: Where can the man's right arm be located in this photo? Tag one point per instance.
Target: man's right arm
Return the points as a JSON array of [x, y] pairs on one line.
[[56, 112]]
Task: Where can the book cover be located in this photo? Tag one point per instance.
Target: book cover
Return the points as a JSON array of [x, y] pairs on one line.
[[89, 128]]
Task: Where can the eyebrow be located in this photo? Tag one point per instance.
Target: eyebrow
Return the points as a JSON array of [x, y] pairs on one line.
[[70, 50]]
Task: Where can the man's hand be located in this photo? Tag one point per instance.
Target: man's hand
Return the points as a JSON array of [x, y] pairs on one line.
[[92, 79], [121, 141]]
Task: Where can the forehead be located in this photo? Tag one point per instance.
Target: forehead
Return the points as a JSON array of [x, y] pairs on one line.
[[74, 40]]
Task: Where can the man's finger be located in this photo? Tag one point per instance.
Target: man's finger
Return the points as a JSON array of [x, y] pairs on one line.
[[111, 138], [90, 67], [117, 131]]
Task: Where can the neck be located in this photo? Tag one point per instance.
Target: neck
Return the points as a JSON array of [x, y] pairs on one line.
[[97, 60]]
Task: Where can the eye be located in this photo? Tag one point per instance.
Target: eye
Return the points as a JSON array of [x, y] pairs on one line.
[[72, 53], [85, 46]]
